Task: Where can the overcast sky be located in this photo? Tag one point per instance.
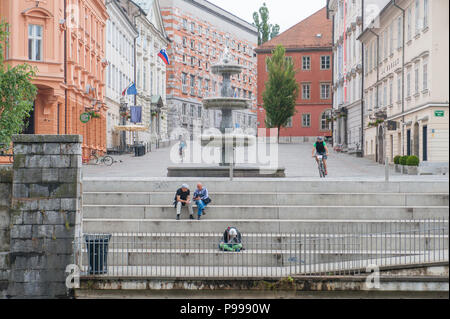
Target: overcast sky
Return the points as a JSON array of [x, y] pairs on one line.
[[286, 13]]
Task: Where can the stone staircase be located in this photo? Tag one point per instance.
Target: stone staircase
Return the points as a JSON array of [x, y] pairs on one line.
[[273, 216]]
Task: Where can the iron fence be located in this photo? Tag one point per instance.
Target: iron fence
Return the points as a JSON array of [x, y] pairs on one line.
[[344, 249]]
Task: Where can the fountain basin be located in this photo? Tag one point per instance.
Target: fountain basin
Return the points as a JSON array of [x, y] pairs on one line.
[[227, 103], [227, 69], [221, 140]]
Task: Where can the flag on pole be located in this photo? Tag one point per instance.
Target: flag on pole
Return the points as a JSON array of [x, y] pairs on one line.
[[163, 55], [130, 90]]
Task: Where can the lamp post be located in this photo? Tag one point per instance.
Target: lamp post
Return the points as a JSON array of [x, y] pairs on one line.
[[123, 108]]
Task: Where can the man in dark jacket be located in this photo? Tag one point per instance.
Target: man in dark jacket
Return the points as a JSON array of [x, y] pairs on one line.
[[183, 198]]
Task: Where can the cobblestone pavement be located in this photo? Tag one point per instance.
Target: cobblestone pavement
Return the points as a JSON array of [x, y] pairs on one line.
[[295, 158]]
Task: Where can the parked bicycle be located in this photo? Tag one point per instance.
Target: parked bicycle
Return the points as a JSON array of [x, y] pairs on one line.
[[7, 152], [97, 160]]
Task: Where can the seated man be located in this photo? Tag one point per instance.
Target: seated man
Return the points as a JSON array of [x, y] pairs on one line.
[[231, 240], [201, 198], [182, 198]]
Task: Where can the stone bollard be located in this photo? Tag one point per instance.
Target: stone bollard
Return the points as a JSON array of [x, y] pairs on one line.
[[46, 212]]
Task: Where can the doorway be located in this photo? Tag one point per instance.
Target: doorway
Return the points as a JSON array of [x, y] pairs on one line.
[[425, 143], [30, 122], [408, 142]]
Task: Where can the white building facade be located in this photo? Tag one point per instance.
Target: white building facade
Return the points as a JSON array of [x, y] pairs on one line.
[[406, 91], [149, 73], [121, 35], [347, 16]]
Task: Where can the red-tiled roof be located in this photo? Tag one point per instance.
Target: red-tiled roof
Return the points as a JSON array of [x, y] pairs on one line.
[[305, 34]]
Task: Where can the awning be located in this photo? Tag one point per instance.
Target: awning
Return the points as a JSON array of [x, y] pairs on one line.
[[131, 128]]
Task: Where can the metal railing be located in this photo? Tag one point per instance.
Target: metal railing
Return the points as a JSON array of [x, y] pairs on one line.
[[343, 249]]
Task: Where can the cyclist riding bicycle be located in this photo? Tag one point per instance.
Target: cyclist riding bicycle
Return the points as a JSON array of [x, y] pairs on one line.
[[320, 148]]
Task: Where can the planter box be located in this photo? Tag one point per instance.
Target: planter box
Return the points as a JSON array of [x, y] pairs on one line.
[[398, 168], [404, 169], [412, 170]]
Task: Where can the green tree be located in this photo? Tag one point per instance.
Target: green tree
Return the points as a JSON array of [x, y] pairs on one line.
[[17, 93], [282, 90], [266, 31]]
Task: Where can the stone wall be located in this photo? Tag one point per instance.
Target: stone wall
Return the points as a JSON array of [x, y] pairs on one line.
[[5, 204], [46, 201]]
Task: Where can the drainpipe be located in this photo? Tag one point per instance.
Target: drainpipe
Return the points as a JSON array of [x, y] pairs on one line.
[[65, 69], [403, 73], [332, 81], [362, 84]]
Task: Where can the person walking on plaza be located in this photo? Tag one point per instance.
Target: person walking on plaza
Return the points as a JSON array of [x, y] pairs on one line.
[[183, 198], [201, 198]]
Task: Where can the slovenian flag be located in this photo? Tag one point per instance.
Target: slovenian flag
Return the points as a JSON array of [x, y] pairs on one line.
[[163, 55], [130, 90]]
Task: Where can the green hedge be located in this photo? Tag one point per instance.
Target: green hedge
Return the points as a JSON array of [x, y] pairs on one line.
[[403, 160], [412, 161], [397, 159]]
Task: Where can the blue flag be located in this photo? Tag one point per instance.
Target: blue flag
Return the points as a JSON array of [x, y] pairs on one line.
[[132, 90]]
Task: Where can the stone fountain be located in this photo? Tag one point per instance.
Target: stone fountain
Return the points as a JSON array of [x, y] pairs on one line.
[[229, 138]]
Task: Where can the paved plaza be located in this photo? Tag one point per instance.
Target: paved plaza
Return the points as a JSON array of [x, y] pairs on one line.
[[295, 158]]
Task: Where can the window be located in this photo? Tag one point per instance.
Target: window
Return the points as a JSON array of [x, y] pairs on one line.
[[306, 120], [425, 13], [409, 32], [416, 80], [391, 91], [184, 109], [408, 84], [184, 41], [399, 32], [384, 95], [35, 42], [325, 91], [325, 62], [185, 24], [399, 88], [391, 39], [193, 27], [184, 82], [289, 123], [425, 75], [306, 91], [418, 16], [306, 65], [192, 84], [200, 112], [325, 123]]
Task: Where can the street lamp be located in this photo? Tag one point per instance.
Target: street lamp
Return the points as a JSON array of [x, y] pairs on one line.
[[123, 109]]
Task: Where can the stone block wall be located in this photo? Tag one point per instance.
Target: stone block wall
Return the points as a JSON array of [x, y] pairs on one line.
[[5, 205], [46, 202]]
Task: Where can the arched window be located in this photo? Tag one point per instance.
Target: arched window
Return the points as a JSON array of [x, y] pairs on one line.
[[325, 121]]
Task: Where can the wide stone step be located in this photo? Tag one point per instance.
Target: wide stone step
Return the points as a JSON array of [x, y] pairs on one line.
[[253, 198], [214, 212], [247, 257], [298, 226], [396, 241], [269, 186]]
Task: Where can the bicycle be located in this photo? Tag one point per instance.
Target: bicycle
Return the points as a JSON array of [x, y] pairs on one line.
[[321, 166], [107, 160]]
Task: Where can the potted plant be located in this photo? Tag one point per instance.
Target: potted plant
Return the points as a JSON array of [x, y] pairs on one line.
[[403, 160], [412, 164], [398, 167]]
